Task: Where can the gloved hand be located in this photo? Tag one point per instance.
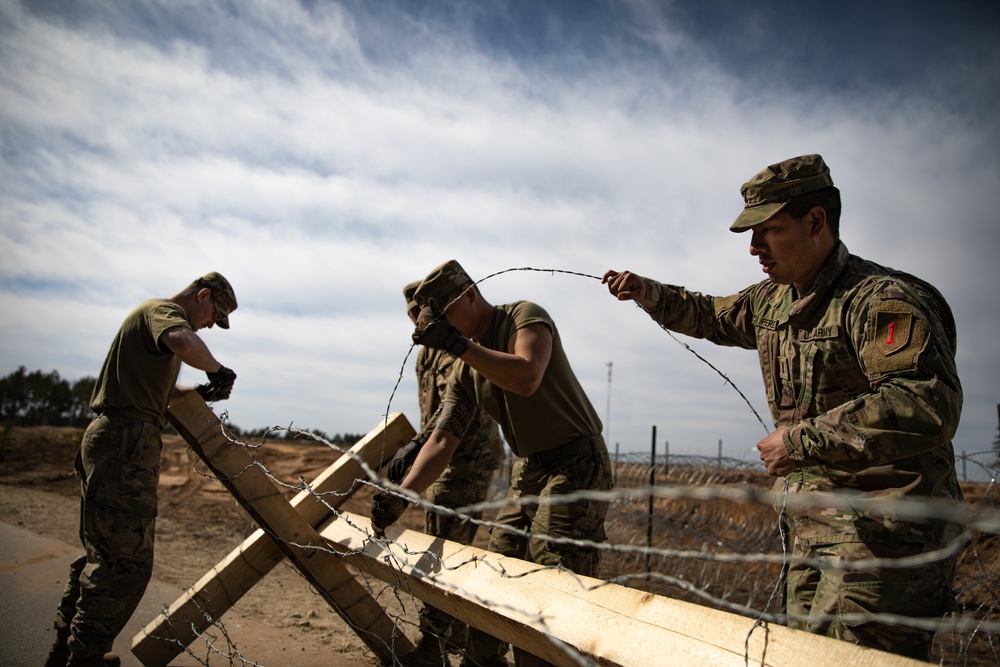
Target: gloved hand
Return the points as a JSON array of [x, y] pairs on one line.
[[402, 461], [434, 330], [386, 510], [220, 385]]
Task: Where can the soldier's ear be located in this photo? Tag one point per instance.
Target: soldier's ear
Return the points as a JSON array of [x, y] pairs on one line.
[[816, 217]]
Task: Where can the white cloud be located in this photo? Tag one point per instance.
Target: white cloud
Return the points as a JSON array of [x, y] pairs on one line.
[[320, 178]]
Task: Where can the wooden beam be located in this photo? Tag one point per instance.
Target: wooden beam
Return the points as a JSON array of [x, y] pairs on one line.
[[293, 524], [529, 607]]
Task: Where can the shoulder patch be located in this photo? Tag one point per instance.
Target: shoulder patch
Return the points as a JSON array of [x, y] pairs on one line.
[[892, 331], [897, 334]]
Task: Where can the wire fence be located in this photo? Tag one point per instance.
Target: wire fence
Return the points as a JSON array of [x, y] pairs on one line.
[[689, 524], [704, 529], [721, 522]]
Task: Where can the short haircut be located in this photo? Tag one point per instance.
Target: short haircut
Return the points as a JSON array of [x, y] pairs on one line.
[[828, 198]]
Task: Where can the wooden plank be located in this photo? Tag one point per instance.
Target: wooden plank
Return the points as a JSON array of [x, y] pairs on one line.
[[221, 587], [294, 526], [528, 606]]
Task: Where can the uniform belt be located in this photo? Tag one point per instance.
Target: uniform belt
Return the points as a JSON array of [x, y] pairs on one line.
[[124, 413], [571, 448]]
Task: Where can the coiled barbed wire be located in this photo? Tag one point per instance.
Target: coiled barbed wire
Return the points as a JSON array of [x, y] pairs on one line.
[[701, 528], [782, 531], [699, 583]]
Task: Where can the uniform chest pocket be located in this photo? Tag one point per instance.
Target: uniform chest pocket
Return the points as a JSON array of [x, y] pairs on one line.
[[807, 358], [829, 369], [767, 350]]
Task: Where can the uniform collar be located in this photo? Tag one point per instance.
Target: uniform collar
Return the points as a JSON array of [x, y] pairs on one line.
[[805, 306]]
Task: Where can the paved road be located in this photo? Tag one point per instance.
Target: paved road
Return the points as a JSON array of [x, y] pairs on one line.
[[33, 573]]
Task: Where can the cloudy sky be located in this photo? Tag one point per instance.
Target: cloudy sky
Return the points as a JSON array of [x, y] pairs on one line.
[[322, 154]]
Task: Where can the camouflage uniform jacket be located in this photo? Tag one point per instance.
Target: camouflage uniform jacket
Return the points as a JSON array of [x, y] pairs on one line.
[[861, 369], [481, 450]]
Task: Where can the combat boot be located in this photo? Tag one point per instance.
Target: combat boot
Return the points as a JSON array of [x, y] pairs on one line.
[[59, 653], [428, 653], [106, 660], [492, 661], [483, 650], [458, 635]]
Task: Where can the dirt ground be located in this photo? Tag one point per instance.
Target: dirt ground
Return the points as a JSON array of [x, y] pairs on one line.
[[199, 523]]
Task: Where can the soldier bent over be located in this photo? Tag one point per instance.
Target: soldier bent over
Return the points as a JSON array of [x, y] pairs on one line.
[[119, 462]]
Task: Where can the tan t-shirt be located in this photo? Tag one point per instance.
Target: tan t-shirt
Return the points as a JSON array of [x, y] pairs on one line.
[[139, 373], [557, 413]]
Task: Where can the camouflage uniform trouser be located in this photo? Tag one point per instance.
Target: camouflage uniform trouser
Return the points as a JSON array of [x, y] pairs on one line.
[[119, 463], [583, 465], [920, 592], [452, 493]]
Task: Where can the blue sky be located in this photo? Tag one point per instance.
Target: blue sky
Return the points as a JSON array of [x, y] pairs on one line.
[[321, 155]]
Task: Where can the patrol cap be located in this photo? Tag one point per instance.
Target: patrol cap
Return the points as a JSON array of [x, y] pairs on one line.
[[770, 191], [441, 283], [222, 293], [408, 293]]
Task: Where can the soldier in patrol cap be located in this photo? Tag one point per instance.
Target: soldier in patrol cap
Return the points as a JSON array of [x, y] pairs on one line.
[[859, 366], [510, 364], [119, 462], [466, 481]]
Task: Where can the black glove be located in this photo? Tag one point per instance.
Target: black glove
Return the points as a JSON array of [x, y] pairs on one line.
[[434, 330], [386, 510], [220, 385], [402, 461]]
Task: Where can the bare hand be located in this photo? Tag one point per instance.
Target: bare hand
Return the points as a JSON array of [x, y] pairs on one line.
[[625, 285], [774, 455]]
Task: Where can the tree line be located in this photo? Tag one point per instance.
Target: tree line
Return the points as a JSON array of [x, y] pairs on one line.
[[46, 399]]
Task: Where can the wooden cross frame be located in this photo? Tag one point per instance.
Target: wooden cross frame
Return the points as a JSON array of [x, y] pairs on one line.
[[287, 529], [554, 614]]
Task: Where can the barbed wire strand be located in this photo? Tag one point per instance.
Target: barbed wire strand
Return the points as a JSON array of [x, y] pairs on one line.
[[726, 378], [760, 616], [759, 496]]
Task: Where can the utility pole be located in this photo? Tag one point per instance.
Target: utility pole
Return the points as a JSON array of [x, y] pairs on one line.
[[607, 419], [652, 495]]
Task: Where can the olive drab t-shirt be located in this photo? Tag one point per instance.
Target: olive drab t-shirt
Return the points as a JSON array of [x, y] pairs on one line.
[[557, 413], [139, 372]]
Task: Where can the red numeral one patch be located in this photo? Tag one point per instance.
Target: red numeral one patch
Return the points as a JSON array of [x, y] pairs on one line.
[[892, 331]]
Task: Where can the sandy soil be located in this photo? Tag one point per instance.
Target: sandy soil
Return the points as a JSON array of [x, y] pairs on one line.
[[199, 523]]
